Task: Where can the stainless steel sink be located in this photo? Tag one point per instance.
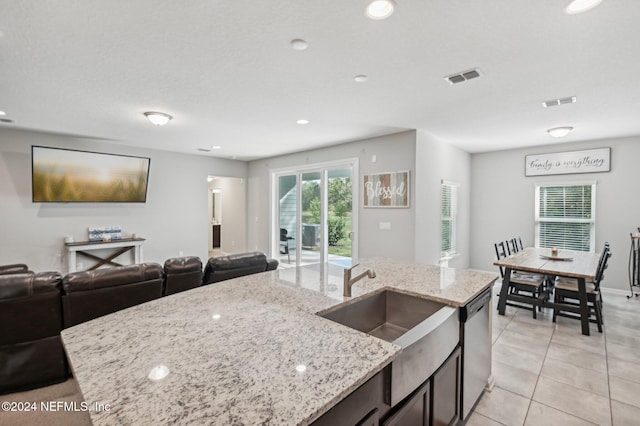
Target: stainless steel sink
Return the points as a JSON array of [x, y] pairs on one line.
[[427, 331]]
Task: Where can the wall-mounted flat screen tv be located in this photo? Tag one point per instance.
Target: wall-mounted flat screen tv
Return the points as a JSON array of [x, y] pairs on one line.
[[72, 176]]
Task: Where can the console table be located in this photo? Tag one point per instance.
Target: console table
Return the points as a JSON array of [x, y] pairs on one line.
[[122, 246]]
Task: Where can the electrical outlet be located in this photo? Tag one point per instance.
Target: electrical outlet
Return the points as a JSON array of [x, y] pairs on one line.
[[180, 253], [79, 266]]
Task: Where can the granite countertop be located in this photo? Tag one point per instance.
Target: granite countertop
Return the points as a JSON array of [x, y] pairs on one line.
[[245, 351]]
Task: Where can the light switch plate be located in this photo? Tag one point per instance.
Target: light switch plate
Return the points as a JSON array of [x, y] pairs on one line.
[[385, 226]]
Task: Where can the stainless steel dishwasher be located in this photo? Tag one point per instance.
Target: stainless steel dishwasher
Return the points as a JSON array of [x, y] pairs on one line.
[[475, 336]]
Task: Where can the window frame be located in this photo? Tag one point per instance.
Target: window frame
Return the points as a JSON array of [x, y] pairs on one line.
[[452, 219], [539, 220]]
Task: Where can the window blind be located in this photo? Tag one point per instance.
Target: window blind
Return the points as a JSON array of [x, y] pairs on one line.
[[565, 216], [448, 213]]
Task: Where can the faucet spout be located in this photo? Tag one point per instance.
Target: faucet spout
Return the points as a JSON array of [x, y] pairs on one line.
[[349, 281]]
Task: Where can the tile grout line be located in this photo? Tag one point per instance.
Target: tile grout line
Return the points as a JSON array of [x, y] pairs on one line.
[[539, 374]]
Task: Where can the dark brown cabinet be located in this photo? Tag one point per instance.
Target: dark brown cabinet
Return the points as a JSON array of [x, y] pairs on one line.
[[415, 411], [436, 402], [363, 407], [445, 391]]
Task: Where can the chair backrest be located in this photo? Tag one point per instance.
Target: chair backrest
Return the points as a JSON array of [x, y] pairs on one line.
[[92, 294], [501, 253], [283, 234], [602, 265], [519, 241], [182, 273], [514, 245]]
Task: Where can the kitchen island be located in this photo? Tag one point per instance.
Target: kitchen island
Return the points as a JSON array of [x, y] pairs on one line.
[[245, 351]]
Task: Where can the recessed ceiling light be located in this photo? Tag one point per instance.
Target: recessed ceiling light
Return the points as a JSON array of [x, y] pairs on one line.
[[302, 121], [299, 44], [158, 118], [380, 9], [3, 113], [361, 78], [579, 6], [560, 132], [216, 147]]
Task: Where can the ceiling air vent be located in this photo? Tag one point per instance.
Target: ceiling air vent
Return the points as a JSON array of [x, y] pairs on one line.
[[557, 102], [463, 76]]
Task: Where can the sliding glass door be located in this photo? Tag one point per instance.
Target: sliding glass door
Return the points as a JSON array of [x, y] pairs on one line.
[[314, 216]]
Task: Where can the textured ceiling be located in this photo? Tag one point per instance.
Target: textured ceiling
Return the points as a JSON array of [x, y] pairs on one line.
[[227, 73]]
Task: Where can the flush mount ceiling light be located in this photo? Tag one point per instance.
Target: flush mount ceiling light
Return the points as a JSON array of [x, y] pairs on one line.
[[158, 118], [380, 9], [560, 132], [302, 121], [3, 113], [360, 78], [579, 6]]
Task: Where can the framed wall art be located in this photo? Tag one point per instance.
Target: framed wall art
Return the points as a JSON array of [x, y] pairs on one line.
[[386, 190], [562, 163]]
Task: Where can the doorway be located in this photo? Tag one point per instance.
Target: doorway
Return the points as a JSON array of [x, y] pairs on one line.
[[227, 215], [315, 214]]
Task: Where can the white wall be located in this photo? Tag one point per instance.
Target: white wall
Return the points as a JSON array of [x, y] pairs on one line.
[[437, 161], [232, 213], [173, 219], [393, 153], [503, 201], [415, 232]]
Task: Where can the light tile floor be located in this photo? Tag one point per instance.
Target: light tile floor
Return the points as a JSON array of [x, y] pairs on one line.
[[550, 374]]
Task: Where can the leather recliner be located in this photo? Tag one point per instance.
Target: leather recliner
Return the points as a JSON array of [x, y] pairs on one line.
[[31, 352], [182, 273], [92, 294], [222, 268]]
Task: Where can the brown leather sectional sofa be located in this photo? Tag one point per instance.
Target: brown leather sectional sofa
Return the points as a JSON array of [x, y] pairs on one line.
[[35, 307]]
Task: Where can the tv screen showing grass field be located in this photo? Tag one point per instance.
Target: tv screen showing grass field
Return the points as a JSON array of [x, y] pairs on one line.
[[67, 176]]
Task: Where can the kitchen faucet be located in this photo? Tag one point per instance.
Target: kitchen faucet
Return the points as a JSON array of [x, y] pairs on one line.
[[348, 281]]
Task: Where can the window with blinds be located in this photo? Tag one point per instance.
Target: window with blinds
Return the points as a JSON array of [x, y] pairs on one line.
[[448, 213], [565, 216]]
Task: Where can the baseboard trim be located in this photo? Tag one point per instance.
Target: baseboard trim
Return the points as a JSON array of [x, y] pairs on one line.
[[608, 290]]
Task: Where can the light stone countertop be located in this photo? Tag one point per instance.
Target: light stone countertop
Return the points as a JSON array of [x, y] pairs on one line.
[[233, 348]]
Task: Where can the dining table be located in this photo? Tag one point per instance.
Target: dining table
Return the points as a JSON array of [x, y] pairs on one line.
[[580, 265]]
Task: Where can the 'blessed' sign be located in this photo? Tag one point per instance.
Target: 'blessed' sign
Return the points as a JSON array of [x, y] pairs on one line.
[[387, 190]]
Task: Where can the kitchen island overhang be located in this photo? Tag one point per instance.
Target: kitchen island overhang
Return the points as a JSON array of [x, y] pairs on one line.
[[250, 350]]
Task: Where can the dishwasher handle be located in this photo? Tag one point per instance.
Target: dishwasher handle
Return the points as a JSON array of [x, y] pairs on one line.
[[475, 306]]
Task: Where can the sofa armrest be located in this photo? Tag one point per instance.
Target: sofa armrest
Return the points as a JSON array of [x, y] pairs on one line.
[[16, 268], [272, 264]]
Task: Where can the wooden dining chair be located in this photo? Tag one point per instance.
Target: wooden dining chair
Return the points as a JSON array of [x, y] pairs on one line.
[[566, 292], [531, 284]]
